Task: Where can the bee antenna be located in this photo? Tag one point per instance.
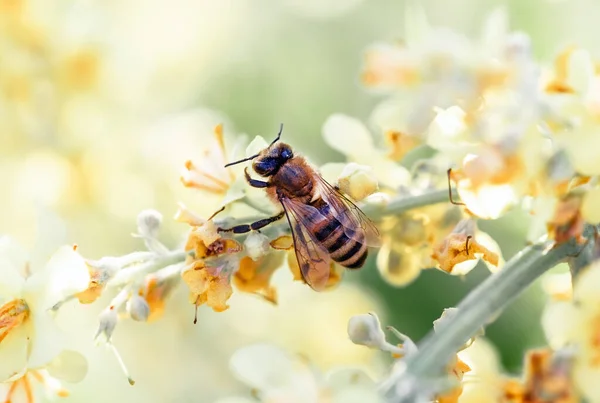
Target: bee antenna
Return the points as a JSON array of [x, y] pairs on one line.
[[278, 135], [256, 155], [240, 161]]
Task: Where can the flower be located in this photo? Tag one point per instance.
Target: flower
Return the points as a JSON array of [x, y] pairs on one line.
[[350, 137], [209, 174], [352, 179], [29, 338], [254, 276], [31, 384], [209, 282], [278, 376], [576, 323], [366, 330], [459, 252], [156, 289], [407, 241]]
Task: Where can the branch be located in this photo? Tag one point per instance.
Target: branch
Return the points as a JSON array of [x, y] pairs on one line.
[[477, 309], [401, 204]]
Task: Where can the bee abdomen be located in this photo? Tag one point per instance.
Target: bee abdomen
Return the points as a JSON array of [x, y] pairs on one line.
[[352, 255], [331, 234]]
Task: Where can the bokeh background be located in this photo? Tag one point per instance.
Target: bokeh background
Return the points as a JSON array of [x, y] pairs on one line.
[[101, 102]]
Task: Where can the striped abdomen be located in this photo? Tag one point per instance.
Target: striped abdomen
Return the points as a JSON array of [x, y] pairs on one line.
[[330, 233]]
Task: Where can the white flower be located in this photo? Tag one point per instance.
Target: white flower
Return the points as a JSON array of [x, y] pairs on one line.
[[275, 374], [350, 137], [278, 376], [29, 338]]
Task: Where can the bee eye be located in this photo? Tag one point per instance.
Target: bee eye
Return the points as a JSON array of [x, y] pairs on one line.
[[287, 154]]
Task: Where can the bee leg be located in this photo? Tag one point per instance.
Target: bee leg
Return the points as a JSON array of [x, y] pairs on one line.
[[255, 183], [256, 225]]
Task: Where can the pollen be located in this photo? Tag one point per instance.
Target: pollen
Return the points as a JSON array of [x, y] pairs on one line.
[[12, 314]]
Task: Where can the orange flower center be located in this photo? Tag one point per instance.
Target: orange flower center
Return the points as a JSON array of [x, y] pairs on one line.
[[25, 383], [12, 314]]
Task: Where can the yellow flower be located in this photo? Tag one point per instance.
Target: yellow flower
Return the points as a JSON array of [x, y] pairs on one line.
[[155, 292], [254, 276], [459, 252], [573, 72], [407, 240], [390, 66], [208, 286], [457, 369], [576, 323], [209, 281]]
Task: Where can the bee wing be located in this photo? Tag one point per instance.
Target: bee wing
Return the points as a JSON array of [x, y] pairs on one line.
[[313, 258], [356, 224]]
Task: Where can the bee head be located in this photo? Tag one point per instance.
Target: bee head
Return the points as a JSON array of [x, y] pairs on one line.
[[272, 158]]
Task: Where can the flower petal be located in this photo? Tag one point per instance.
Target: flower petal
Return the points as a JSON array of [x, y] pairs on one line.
[[13, 354], [70, 366], [262, 366], [13, 252], [11, 281], [342, 378], [47, 340], [347, 135], [256, 145], [64, 275], [236, 191], [559, 321]]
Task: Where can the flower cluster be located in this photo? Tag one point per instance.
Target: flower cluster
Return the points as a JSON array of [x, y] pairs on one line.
[[468, 130]]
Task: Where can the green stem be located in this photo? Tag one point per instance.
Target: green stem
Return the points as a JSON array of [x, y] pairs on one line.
[[401, 204], [475, 311]]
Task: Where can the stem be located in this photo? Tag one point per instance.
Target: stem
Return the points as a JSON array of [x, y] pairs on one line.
[[399, 205], [160, 261], [476, 310]]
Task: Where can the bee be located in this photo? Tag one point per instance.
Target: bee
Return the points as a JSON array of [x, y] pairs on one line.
[[325, 225]]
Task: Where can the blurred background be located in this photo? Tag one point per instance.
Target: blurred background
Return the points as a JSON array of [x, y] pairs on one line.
[[101, 102]]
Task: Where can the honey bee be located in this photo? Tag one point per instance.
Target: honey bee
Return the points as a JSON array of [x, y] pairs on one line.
[[325, 225]]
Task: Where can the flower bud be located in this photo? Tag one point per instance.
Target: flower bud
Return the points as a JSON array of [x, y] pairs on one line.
[[366, 330], [256, 245], [137, 308], [108, 322], [357, 181], [148, 223]]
